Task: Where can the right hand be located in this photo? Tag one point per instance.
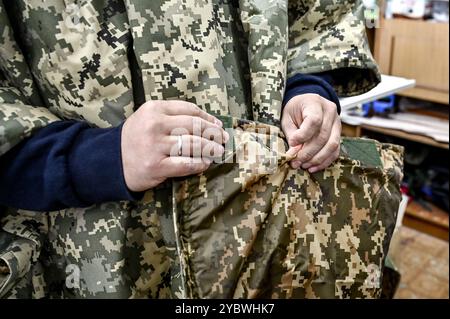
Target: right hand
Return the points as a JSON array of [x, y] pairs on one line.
[[150, 143]]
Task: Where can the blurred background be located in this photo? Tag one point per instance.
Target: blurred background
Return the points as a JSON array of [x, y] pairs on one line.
[[410, 41]]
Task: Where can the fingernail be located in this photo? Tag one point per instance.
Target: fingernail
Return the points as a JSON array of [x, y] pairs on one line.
[[292, 151], [313, 170], [226, 136], [295, 164], [218, 123]]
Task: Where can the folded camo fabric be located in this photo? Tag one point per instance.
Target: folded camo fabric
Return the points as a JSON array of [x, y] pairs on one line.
[[255, 228]]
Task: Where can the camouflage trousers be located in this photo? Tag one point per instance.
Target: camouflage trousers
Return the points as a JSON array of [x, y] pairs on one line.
[[249, 227]]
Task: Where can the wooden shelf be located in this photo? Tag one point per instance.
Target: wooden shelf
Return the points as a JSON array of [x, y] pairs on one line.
[[434, 222], [429, 95], [407, 136], [357, 131]]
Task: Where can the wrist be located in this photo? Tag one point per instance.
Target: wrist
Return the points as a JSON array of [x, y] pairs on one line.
[[96, 166], [310, 84]]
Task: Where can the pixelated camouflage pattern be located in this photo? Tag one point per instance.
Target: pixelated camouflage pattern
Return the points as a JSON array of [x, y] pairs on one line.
[[251, 228], [219, 36], [331, 35], [98, 61], [259, 229]]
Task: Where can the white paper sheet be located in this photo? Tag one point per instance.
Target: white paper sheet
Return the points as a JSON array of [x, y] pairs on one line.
[[389, 85]]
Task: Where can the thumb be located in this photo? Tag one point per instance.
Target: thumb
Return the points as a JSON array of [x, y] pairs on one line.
[[289, 129], [293, 151]]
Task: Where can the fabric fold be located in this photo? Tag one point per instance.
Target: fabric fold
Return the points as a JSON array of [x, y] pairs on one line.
[[255, 228]]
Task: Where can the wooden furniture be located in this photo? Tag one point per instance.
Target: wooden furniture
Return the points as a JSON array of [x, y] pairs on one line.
[[433, 221], [360, 130], [416, 50]]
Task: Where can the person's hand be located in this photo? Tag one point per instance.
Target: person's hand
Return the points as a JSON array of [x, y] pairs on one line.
[[313, 129], [150, 143]]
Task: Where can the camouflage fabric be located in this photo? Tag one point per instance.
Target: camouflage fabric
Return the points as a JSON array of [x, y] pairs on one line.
[[250, 227], [255, 228], [98, 61], [330, 36]]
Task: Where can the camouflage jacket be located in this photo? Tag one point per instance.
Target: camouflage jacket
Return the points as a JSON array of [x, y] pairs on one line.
[[275, 233]]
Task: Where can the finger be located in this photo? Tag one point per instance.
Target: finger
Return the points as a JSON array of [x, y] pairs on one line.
[[330, 147], [184, 166], [193, 146], [317, 143], [289, 128], [189, 125], [325, 163], [292, 151], [310, 126], [186, 108]]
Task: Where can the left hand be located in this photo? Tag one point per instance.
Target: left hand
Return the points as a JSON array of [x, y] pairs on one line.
[[313, 130]]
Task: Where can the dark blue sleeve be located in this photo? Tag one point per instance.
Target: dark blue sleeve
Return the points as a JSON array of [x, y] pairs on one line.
[[66, 164], [320, 84]]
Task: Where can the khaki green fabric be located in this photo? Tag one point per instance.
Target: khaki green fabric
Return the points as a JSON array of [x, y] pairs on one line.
[[255, 228], [98, 61], [331, 36]]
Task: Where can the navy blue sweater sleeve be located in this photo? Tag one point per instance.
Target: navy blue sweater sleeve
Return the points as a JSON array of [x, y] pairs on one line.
[[66, 164], [320, 84]]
